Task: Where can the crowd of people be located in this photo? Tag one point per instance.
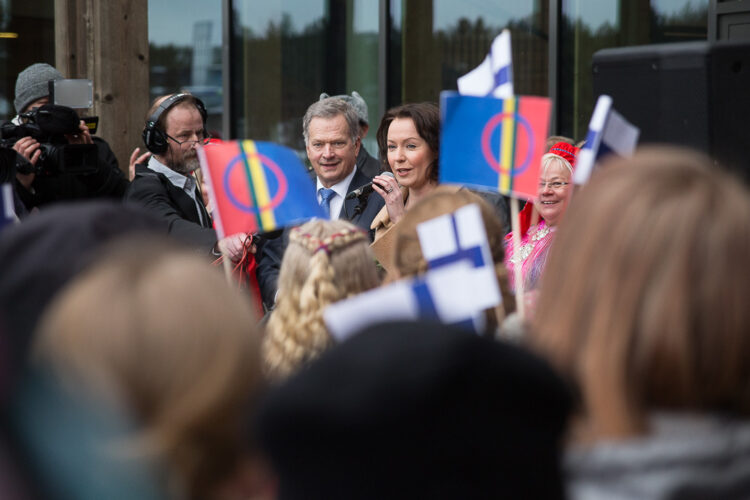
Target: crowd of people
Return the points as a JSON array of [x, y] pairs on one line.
[[131, 367]]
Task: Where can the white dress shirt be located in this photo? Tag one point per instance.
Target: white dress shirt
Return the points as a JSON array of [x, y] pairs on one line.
[[341, 188], [184, 182]]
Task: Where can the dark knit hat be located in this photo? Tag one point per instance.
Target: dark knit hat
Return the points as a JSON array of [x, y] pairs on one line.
[[417, 410], [355, 101], [33, 83]]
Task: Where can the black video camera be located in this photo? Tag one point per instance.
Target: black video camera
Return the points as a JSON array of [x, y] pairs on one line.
[[8, 159], [48, 124]]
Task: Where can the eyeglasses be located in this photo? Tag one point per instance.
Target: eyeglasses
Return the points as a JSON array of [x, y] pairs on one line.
[[203, 138], [554, 185]]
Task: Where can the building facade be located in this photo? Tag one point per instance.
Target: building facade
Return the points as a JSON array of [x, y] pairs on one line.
[[259, 64]]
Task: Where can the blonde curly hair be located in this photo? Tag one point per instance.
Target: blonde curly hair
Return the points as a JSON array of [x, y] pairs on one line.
[[326, 261]]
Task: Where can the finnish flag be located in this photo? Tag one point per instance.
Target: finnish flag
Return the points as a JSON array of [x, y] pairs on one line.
[[460, 284], [494, 77], [7, 211], [609, 133]]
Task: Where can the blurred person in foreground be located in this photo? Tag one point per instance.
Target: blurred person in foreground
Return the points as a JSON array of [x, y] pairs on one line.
[[539, 220], [417, 410], [159, 331], [41, 255], [409, 260], [37, 259], [644, 307], [326, 261]]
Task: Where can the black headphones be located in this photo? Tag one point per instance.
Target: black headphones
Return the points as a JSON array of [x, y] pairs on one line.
[[156, 139]]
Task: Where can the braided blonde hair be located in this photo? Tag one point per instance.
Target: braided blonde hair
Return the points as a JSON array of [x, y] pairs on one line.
[[326, 261]]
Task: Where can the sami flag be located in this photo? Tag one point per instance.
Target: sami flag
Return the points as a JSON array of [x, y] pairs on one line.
[[257, 186], [491, 143]]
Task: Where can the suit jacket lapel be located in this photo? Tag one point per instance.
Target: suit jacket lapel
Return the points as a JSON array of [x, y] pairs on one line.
[[185, 204], [206, 217], [181, 200]]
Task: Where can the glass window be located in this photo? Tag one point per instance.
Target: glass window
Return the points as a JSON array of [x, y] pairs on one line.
[[27, 36], [285, 53], [590, 25], [185, 39], [440, 40]]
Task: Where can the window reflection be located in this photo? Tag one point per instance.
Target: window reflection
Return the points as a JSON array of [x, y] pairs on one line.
[[288, 52], [679, 20], [28, 37], [185, 53], [591, 25], [443, 39]]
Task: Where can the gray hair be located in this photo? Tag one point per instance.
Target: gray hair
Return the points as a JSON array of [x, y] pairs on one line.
[[331, 108], [549, 158], [356, 101]]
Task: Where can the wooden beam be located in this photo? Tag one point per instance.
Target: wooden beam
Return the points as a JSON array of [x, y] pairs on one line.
[[107, 42]]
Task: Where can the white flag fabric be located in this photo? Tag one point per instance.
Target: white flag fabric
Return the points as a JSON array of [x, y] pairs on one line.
[[494, 77], [609, 133], [460, 284], [8, 212]]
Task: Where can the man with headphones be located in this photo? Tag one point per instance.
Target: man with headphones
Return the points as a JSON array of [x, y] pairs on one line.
[[175, 126]]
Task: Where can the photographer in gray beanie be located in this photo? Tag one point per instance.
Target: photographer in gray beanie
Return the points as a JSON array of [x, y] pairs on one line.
[[54, 166], [33, 84], [365, 162]]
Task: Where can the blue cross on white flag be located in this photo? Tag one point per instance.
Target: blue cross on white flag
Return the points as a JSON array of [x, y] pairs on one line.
[[7, 211], [494, 77], [456, 237], [460, 284], [609, 133]]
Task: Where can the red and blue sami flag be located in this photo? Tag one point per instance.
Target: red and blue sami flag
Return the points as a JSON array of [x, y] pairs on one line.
[[493, 143], [257, 186]]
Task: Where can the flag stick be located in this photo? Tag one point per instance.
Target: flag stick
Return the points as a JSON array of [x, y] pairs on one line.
[[517, 276], [226, 264]]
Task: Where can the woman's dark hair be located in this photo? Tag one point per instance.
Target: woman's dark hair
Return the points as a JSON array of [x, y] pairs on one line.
[[426, 118]]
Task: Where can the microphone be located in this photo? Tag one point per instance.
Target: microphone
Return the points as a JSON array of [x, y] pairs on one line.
[[366, 189]]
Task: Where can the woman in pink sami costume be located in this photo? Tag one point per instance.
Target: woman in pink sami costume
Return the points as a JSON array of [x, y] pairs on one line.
[[539, 220]]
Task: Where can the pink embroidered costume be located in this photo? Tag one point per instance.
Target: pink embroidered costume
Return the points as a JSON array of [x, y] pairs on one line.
[[532, 254]]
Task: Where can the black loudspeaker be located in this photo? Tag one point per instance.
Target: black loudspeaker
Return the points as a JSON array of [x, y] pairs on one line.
[[695, 94], [154, 138]]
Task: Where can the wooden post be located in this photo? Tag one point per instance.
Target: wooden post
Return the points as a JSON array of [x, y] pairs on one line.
[[107, 42], [420, 54], [517, 268]]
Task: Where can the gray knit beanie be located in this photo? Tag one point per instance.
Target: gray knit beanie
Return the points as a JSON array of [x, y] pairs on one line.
[[32, 84], [355, 101]]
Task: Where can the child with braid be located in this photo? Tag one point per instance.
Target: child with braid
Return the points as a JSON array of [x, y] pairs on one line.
[[326, 261]]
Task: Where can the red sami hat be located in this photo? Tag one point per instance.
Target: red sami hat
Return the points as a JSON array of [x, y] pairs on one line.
[[567, 152]]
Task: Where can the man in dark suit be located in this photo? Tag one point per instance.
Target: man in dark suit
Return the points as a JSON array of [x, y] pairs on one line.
[[332, 141], [174, 128]]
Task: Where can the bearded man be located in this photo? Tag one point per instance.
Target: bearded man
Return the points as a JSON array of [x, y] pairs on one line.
[[175, 126]]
